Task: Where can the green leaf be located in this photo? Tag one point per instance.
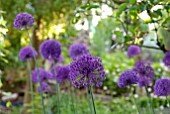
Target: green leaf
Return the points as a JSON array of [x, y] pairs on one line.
[[166, 21], [121, 9], [1, 84], [76, 19], [8, 104], [92, 6], [132, 1], [118, 33], [84, 6], [158, 12]]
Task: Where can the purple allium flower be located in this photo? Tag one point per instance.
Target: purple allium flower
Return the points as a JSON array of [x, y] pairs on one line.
[[128, 77], [26, 53], [133, 50], [166, 59], [23, 21], [145, 73], [77, 50], [61, 73], [162, 87], [87, 70], [44, 75], [50, 49], [144, 69], [144, 81], [45, 87]]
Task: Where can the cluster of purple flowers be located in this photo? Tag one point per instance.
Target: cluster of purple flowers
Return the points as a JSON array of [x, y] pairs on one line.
[[133, 50], [142, 73], [27, 53], [162, 87], [166, 59], [23, 21], [61, 73], [84, 70], [145, 73], [77, 50], [51, 50], [128, 77], [87, 70]]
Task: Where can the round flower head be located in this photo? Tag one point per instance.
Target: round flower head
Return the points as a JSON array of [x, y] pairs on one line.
[[44, 75], [128, 77], [144, 69], [77, 50], [50, 49], [26, 53], [61, 73], [23, 21], [166, 59], [144, 81], [44, 86], [133, 50], [145, 73], [87, 70], [162, 87]]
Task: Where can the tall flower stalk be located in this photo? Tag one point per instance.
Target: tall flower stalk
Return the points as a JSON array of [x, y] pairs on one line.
[[31, 86], [36, 66], [57, 92], [91, 100], [87, 71], [72, 99], [150, 105], [51, 50], [24, 21]]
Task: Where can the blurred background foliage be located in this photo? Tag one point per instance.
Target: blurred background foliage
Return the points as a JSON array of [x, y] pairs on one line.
[[108, 27]]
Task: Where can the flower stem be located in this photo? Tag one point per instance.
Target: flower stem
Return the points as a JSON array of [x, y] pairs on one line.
[[136, 104], [74, 91], [72, 99], [36, 65], [167, 101], [150, 105], [31, 86], [90, 94], [57, 89]]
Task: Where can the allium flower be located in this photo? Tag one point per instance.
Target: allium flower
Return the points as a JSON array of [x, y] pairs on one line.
[[87, 70], [45, 87], [162, 87], [133, 50], [26, 53], [61, 73], [77, 50], [166, 59], [23, 21], [145, 72], [128, 77], [50, 49], [44, 75], [144, 81]]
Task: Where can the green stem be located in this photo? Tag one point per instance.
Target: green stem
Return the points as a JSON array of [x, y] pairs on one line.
[[136, 104], [36, 65], [72, 99], [167, 101], [31, 86], [150, 105], [74, 91], [90, 94], [49, 109], [57, 89]]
